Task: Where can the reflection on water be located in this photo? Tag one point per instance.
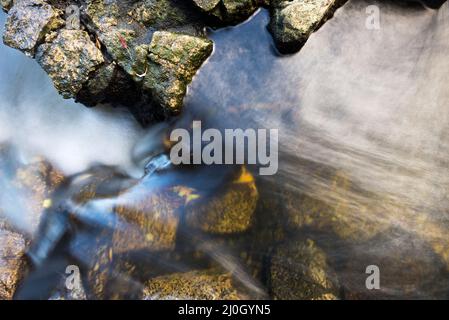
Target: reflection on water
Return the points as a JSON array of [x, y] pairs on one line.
[[362, 175]]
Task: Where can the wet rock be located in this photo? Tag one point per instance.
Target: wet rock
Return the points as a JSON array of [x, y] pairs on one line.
[[12, 248], [292, 22], [69, 60], [193, 285], [148, 220], [300, 271], [169, 15], [230, 210], [28, 22], [37, 181], [336, 211], [228, 11], [173, 61]]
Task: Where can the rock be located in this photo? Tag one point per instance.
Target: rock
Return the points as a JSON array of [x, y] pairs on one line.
[[69, 60], [148, 220], [292, 22], [332, 210], [6, 4], [173, 61], [37, 181], [300, 271], [12, 263], [169, 15], [230, 210], [228, 11], [238, 10], [28, 22], [193, 285], [408, 268]]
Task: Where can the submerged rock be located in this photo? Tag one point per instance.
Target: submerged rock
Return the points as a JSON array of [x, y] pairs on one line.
[[37, 181], [12, 263], [294, 21], [333, 210], [148, 220], [408, 269], [193, 285], [173, 61], [28, 22], [69, 60], [300, 271], [230, 210]]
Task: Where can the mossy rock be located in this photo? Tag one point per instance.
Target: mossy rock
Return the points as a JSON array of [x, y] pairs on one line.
[[173, 60], [228, 211], [300, 271], [293, 22], [69, 60], [28, 22]]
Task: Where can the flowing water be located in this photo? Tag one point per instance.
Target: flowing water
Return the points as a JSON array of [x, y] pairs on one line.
[[363, 158]]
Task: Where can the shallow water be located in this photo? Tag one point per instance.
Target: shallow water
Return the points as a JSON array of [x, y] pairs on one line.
[[362, 121]]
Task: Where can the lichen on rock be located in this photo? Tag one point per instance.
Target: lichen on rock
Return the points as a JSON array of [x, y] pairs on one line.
[[69, 60], [294, 21], [228, 211], [28, 22], [173, 61], [147, 220]]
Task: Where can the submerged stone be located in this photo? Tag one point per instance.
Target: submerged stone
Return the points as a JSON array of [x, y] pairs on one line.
[[148, 220], [230, 210], [28, 22], [37, 181], [173, 61], [331, 210], [193, 285], [292, 22], [69, 60], [300, 271], [12, 263]]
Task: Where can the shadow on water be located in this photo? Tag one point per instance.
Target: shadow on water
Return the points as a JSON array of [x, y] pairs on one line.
[[363, 172]]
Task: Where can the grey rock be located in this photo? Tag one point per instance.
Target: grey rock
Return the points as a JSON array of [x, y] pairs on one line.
[[69, 60], [28, 22]]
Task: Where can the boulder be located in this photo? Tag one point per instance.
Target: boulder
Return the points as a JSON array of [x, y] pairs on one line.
[[69, 60], [292, 22], [173, 61], [230, 210], [28, 22], [300, 271]]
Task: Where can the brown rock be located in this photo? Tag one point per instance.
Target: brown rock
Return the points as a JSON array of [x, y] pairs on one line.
[[12, 247]]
